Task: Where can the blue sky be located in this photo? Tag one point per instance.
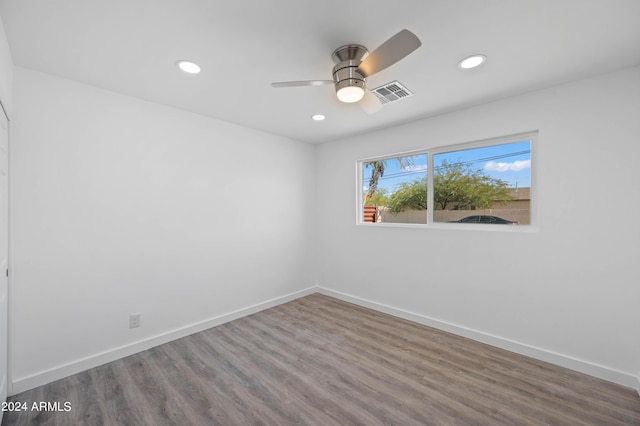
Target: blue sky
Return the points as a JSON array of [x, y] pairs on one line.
[[509, 162]]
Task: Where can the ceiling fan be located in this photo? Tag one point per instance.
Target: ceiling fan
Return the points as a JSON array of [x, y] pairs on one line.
[[354, 64]]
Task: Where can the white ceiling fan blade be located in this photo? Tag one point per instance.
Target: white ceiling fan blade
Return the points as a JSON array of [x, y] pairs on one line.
[[390, 52], [301, 83], [370, 102]]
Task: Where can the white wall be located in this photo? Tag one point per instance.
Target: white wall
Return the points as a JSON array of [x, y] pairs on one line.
[[567, 292], [6, 81], [122, 206], [6, 71]]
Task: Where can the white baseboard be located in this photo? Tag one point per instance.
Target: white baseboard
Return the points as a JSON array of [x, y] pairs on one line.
[[41, 378], [602, 372]]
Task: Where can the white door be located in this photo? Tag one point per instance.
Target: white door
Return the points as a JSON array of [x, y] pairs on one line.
[[4, 248]]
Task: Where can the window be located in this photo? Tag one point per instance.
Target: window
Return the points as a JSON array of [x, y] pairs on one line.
[[484, 183], [395, 189], [493, 181]]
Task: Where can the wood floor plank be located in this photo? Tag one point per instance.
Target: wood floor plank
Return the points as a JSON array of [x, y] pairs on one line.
[[322, 361]]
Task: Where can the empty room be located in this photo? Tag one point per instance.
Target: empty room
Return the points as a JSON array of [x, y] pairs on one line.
[[325, 213]]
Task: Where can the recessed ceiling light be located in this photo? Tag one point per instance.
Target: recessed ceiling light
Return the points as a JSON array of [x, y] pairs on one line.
[[188, 67], [318, 117], [472, 61]]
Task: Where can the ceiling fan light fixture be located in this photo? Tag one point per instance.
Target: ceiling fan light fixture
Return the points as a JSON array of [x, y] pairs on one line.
[[188, 66], [354, 64], [349, 90], [350, 94], [472, 61]]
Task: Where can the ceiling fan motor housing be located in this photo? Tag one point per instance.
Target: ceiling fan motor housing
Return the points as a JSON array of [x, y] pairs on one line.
[[347, 59]]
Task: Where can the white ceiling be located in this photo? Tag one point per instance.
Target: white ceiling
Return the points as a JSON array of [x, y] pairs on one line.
[[131, 46]]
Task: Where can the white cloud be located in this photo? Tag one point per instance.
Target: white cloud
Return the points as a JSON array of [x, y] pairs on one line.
[[412, 168], [515, 166]]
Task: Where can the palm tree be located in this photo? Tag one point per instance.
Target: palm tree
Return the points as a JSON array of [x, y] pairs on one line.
[[377, 171]]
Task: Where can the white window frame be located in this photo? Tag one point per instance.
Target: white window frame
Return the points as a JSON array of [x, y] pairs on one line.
[[501, 140]]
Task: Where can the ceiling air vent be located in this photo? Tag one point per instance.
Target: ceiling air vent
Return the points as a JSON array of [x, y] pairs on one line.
[[391, 92]]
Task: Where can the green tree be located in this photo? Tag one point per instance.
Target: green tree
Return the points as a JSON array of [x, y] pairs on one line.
[[455, 185], [378, 198], [409, 196], [460, 186]]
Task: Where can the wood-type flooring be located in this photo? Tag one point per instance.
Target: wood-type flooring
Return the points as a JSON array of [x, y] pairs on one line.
[[321, 361]]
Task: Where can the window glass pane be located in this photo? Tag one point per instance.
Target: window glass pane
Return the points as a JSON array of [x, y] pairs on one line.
[[395, 190], [486, 185]]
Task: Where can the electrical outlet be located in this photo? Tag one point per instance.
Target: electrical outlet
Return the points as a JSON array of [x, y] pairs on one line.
[[134, 320]]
